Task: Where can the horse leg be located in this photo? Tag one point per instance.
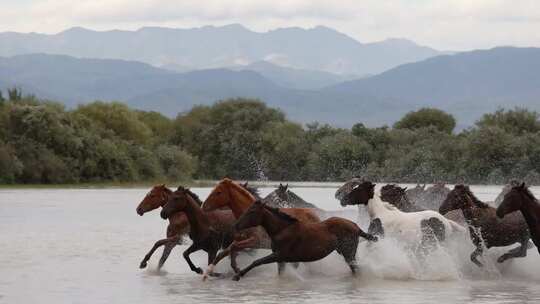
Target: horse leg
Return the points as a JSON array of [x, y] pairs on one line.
[[281, 267], [517, 252], [375, 228], [478, 251], [194, 247], [211, 257], [347, 248], [158, 244], [232, 250], [166, 252], [272, 258]]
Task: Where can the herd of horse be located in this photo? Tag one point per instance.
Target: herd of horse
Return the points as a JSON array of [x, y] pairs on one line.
[[234, 219]]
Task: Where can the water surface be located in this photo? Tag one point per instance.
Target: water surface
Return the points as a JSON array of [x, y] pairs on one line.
[[84, 246]]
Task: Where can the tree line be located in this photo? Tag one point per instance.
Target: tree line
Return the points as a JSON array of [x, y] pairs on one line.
[[43, 142]]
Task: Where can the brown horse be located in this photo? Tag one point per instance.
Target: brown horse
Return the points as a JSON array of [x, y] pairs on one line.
[[520, 198], [297, 241], [209, 231], [484, 226], [229, 194], [178, 222]]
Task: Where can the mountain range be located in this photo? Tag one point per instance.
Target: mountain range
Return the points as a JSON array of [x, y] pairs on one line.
[[320, 48], [466, 84]]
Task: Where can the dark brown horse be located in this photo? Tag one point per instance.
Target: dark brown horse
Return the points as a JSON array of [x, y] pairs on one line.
[[209, 231], [178, 222], [397, 196], [297, 241], [484, 226], [520, 198]]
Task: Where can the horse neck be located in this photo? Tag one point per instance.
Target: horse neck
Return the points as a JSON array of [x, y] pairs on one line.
[[273, 224], [530, 210], [198, 221], [376, 207], [240, 200]]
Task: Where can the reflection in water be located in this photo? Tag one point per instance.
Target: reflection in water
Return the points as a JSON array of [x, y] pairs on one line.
[[65, 246]]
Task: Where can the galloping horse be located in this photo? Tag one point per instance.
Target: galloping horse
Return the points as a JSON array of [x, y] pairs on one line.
[[492, 231], [520, 198], [414, 228], [297, 241], [283, 197], [228, 194], [209, 231], [178, 222], [397, 196]]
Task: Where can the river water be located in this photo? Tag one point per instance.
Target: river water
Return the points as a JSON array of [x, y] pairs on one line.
[[84, 246]]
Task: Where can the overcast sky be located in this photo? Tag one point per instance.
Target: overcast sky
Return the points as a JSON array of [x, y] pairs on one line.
[[442, 24]]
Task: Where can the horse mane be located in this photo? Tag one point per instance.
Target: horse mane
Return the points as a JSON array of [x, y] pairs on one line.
[[194, 196], [475, 200], [528, 192], [280, 214], [253, 190]]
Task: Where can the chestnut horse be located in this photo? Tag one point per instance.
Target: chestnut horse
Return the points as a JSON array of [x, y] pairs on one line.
[[178, 222], [229, 194], [297, 241], [209, 231], [492, 231], [520, 198]]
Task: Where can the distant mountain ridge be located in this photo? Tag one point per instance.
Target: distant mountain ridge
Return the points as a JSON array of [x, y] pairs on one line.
[[320, 48], [467, 85]]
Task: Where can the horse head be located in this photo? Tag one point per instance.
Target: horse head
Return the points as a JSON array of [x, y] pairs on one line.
[[177, 202], [457, 198], [251, 217], [513, 200], [393, 194], [355, 192], [157, 197], [220, 196]]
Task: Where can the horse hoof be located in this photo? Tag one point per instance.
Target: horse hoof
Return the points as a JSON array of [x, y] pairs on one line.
[[236, 278], [142, 265]]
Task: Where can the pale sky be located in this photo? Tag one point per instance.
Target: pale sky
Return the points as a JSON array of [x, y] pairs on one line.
[[442, 24]]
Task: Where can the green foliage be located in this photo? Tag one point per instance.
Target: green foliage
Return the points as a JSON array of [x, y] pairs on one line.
[[427, 117], [116, 119], [42, 142], [517, 121]]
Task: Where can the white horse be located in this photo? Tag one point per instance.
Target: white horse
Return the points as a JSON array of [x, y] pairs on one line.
[[415, 228], [410, 227]]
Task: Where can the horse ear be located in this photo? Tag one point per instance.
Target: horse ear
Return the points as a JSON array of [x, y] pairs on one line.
[[405, 189], [522, 186], [286, 186]]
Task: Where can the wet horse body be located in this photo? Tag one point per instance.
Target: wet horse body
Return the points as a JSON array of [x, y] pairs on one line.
[[419, 229], [297, 241], [485, 229], [520, 198], [209, 231]]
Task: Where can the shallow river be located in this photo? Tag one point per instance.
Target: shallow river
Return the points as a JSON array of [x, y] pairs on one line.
[[84, 246]]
